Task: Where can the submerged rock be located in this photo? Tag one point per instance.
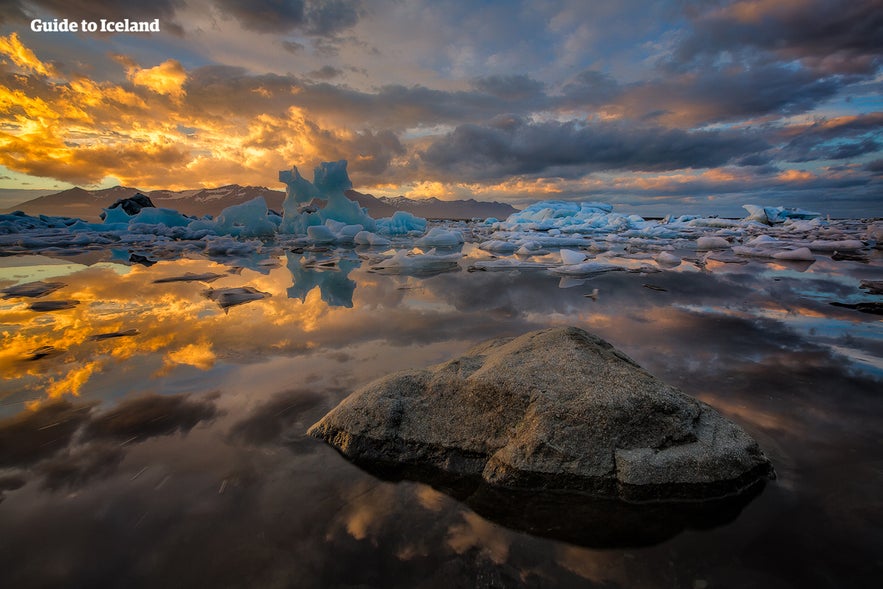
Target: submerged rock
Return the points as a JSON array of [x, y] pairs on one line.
[[557, 409]]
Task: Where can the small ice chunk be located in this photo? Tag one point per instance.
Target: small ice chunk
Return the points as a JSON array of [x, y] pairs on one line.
[[763, 240], [160, 216], [401, 223], [587, 269], [711, 242], [571, 257], [498, 245], [845, 245], [229, 297], [321, 234], [440, 237], [368, 238], [668, 259], [31, 289], [405, 262], [802, 254], [190, 277], [44, 306]]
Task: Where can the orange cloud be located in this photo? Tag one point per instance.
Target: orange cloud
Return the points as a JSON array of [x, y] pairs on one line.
[[23, 57], [166, 78]]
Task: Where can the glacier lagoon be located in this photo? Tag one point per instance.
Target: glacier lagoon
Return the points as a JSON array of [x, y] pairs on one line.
[[152, 424], [160, 373]]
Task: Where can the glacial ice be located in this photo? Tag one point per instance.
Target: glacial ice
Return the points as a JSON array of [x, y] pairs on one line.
[[771, 215], [440, 237], [578, 238]]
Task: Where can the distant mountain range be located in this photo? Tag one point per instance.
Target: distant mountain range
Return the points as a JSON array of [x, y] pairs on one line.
[[87, 204]]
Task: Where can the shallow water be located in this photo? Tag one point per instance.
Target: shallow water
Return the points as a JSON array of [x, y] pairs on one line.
[[151, 435]]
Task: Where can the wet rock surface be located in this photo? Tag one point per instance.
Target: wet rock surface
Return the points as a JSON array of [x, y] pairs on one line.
[[557, 410]]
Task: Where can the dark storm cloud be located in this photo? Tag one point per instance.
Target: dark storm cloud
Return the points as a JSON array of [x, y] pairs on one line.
[[829, 36], [150, 415], [225, 91], [875, 166], [312, 17], [731, 93], [590, 88], [510, 145], [516, 86], [325, 72], [838, 139]]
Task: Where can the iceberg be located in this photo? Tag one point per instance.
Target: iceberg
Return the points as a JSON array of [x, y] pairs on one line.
[[772, 215], [330, 182]]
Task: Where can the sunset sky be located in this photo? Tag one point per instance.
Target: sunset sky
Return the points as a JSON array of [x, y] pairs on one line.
[[667, 105]]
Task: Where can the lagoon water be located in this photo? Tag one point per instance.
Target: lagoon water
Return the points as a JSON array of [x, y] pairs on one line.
[[153, 436]]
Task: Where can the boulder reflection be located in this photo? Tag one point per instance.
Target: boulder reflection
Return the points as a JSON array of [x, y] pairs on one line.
[[576, 518]]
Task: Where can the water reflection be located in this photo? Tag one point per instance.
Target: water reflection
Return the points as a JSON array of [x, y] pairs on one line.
[[330, 276], [176, 451]]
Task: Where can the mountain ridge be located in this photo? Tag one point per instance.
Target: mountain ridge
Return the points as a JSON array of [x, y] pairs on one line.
[[87, 204]]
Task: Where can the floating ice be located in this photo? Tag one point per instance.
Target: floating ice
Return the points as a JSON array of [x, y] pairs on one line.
[[590, 268], [368, 238], [668, 259], [401, 223], [801, 254], [845, 245], [249, 219], [330, 182], [160, 216], [771, 215], [711, 242], [44, 306], [498, 245], [405, 262], [229, 297], [31, 289], [190, 277], [440, 237], [570, 257]]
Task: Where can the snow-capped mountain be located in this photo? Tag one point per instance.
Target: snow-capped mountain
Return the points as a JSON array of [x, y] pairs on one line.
[[87, 204]]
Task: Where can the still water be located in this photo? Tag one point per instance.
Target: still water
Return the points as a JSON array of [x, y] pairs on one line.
[[152, 436]]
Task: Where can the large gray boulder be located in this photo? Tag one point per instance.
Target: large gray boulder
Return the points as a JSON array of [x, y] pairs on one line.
[[557, 409]]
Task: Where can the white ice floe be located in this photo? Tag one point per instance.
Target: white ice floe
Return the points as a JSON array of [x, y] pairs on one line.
[[801, 254], [498, 245], [668, 259], [570, 257], [372, 239], [777, 214], [845, 245], [441, 237], [590, 268], [410, 262], [711, 242]]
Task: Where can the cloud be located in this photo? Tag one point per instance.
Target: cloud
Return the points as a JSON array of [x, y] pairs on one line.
[[326, 72], [165, 78], [513, 86], [826, 36], [35, 434], [731, 93], [312, 17], [512, 146], [283, 419], [150, 415]]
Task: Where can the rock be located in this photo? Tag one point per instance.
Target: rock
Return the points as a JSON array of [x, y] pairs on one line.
[[131, 205], [557, 409]]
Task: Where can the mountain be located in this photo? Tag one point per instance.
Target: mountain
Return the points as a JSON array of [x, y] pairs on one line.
[[87, 204]]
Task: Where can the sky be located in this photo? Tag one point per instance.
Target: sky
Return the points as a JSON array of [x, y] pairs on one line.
[[671, 105]]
